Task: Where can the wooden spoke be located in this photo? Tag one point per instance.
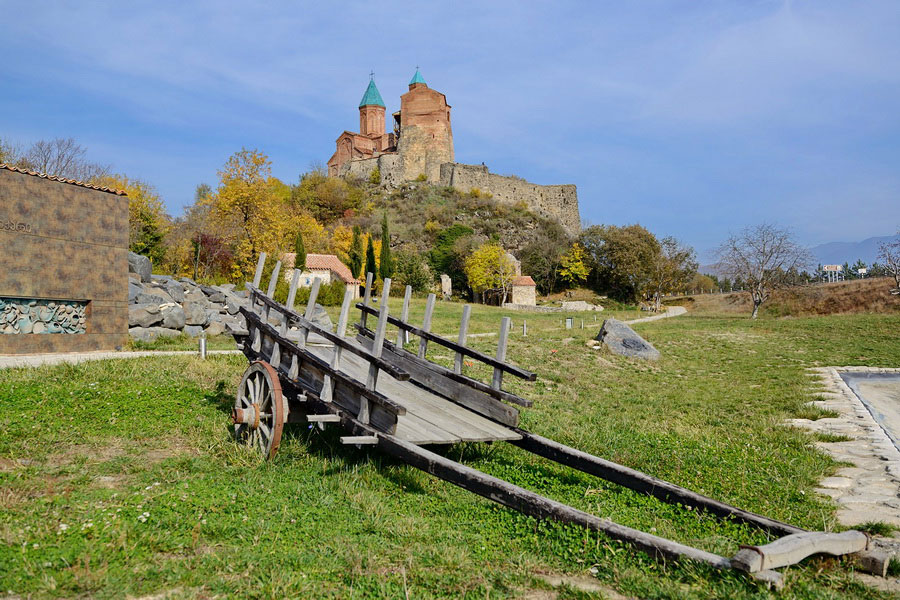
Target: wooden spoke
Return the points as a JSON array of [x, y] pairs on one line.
[[259, 409]]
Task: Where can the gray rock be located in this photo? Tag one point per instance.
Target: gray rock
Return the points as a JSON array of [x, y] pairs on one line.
[[580, 305], [170, 287], [622, 340], [134, 289], [143, 315], [149, 334], [196, 296], [193, 330], [195, 314], [140, 265], [213, 294], [154, 295], [320, 317], [188, 281], [215, 328], [226, 287], [172, 316]]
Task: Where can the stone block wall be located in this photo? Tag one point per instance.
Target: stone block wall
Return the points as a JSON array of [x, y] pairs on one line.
[[555, 201], [66, 245]]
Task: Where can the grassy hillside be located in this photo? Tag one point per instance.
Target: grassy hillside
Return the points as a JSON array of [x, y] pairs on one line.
[[846, 297]]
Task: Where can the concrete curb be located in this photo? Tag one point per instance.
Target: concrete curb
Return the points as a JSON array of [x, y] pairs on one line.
[[74, 358]]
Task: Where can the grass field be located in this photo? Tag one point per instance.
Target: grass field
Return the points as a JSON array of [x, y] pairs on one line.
[[120, 478]]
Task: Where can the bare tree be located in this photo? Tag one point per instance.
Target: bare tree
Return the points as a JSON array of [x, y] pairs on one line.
[[889, 252], [673, 268], [761, 256], [62, 157]]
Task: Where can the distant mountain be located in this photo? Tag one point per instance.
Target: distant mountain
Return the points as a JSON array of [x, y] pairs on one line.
[[837, 253]]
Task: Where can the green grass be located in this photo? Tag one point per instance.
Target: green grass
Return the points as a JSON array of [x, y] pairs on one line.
[[135, 459]]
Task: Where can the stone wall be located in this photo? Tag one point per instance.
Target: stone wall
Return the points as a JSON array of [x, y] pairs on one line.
[[65, 245], [555, 201]]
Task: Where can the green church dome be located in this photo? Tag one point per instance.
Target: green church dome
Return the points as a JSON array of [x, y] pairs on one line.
[[417, 78], [371, 97]]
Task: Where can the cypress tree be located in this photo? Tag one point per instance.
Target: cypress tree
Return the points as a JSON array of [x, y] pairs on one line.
[[370, 259], [387, 263], [300, 250], [356, 252]]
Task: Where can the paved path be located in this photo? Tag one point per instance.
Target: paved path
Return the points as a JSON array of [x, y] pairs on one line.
[[672, 311], [40, 360]]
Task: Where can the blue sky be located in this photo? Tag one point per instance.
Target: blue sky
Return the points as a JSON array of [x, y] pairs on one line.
[[692, 118]]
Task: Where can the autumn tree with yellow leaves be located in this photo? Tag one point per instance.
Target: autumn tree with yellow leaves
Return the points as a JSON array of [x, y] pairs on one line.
[[489, 268]]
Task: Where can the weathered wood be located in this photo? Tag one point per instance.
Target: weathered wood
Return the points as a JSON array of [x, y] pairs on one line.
[[369, 440], [463, 332], [791, 549], [422, 373], [313, 296], [292, 292], [367, 299], [305, 324], [453, 346], [445, 373], [535, 505], [326, 418], [497, 379], [875, 562], [260, 265], [403, 334], [643, 483], [426, 326], [273, 280]]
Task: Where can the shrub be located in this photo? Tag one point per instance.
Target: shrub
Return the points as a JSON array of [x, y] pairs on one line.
[[411, 270], [330, 294], [375, 176], [422, 177]]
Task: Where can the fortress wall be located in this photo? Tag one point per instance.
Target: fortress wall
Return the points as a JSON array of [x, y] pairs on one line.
[[389, 165], [557, 201]]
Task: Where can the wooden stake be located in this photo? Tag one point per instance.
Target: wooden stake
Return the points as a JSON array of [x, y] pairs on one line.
[[259, 269], [402, 334], [328, 387], [292, 293], [377, 347], [505, 324], [273, 281], [426, 325], [367, 297], [463, 332]]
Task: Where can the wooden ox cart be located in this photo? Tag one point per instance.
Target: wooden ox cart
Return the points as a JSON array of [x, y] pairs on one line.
[[398, 401]]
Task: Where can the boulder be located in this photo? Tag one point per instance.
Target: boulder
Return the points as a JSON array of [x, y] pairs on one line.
[[215, 328], [580, 305], [195, 313], [621, 339], [196, 296], [149, 334], [140, 265], [143, 315], [169, 286], [320, 317], [134, 289], [213, 294], [193, 330], [172, 316], [154, 296]]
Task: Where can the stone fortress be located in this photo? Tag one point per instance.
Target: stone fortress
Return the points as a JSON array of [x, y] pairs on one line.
[[422, 144]]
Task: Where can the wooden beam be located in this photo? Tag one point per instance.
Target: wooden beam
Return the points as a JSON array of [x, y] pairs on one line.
[[368, 440], [292, 293], [791, 549], [463, 332], [329, 418], [497, 379], [470, 352], [403, 334], [260, 264], [367, 299], [643, 483], [273, 280], [426, 325]]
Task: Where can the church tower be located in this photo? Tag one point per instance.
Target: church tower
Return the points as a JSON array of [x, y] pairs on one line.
[[371, 112]]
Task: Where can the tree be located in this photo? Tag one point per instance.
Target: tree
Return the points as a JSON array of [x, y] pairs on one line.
[[371, 267], [621, 259], [300, 252], [489, 268], [251, 210], [327, 198], [411, 270], [889, 252], [444, 258], [572, 269], [673, 269], [386, 265], [761, 257], [148, 222], [356, 252], [62, 157]]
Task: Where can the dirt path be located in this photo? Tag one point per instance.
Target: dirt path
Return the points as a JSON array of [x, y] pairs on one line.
[[40, 360], [672, 311]]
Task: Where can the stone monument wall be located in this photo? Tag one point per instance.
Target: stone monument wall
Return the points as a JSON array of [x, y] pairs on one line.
[[64, 269]]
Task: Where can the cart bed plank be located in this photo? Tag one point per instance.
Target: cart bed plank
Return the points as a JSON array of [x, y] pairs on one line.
[[429, 419]]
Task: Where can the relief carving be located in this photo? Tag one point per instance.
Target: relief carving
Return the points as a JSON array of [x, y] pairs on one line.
[[24, 316]]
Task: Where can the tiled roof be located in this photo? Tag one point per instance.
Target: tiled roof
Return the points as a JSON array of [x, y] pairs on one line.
[[417, 78], [325, 262], [63, 180], [523, 280], [371, 97]]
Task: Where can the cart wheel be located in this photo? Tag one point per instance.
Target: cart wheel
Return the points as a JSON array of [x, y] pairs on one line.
[[259, 409]]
